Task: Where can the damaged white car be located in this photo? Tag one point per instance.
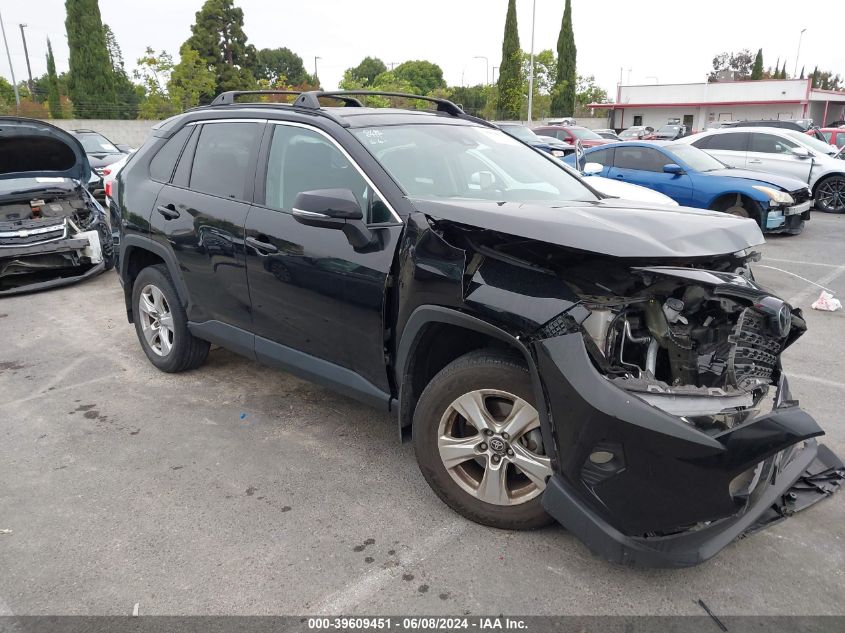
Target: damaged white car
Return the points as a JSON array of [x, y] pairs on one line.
[[52, 230]]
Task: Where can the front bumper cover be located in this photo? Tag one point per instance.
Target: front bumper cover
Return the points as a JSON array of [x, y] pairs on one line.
[[669, 496]]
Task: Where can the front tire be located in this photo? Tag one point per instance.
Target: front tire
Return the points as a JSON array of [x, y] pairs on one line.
[[162, 324], [478, 443], [830, 195]]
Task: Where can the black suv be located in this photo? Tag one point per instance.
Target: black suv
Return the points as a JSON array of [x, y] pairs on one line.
[[551, 351]]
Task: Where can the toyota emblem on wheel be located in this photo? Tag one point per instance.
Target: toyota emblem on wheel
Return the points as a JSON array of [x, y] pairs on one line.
[[497, 445]]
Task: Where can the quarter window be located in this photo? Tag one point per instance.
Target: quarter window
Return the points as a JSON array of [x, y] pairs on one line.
[[304, 160], [162, 164], [642, 158], [771, 144], [222, 158]]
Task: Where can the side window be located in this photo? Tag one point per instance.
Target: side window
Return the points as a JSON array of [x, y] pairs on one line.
[[770, 144], [730, 142], [602, 157], [827, 135], [704, 143], [304, 160], [222, 158], [163, 163], [642, 158]]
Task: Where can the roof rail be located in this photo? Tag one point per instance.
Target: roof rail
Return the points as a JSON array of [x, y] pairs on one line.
[[312, 99], [229, 97]]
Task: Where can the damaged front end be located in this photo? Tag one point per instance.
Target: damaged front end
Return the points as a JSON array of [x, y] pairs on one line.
[[672, 425], [52, 231]]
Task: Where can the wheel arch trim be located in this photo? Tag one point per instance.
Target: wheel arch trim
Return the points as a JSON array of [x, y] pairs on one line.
[[131, 243]]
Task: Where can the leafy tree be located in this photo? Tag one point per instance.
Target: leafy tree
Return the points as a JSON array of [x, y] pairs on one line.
[[154, 71], [423, 76], [545, 71], [53, 98], [218, 36], [757, 70], [826, 80], [740, 63], [510, 82], [563, 94], [91, 86], [7, 92], [189, 80], [473, 99], [783, 71], [365, 73], [280, 65], [587, 92]]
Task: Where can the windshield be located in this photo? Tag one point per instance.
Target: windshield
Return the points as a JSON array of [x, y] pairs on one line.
[[97, 144], [669, 129], [437, 161], [630, 133], [696, 159], [584, 134], [520, 132], [813, 143]]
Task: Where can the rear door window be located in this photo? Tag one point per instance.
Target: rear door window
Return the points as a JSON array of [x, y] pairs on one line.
[[224, 159], [602, 157], [727, 142]]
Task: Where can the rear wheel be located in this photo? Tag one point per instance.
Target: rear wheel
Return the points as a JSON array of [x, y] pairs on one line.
[[478, 442], [830, 195], [162, 324]]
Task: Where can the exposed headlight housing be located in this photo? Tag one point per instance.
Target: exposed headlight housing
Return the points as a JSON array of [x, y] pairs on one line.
[[775, 196]]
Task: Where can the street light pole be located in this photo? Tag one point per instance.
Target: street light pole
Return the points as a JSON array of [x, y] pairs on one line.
[[800, 36], [531, 65], [486, 68], [315, 66], [11, 68], [28, 69]]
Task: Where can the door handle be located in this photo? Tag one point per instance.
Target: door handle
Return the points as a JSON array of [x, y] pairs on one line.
[[620, 176], [261, 245], [168, 211], [755, 162]]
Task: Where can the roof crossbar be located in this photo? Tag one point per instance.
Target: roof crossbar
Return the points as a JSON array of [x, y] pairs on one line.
[[312, 99], [229, 97]]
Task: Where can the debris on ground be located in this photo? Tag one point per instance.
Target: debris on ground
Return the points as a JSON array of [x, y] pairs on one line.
[[827, 302]]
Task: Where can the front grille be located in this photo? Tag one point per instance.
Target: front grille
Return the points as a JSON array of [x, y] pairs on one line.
[[800, 195], [754, 352], [28, 232]]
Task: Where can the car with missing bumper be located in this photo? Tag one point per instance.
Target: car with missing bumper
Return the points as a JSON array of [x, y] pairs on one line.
[[52, 231], [552, 353]]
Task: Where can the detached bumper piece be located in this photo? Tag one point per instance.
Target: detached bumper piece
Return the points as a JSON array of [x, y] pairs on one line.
[[642, 487], [34, 267]]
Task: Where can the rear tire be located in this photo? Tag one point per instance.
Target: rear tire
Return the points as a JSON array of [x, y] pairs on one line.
[[483, 480], [162, 324]]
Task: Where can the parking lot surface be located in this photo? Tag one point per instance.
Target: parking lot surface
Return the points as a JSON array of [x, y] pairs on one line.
[[236, 489]]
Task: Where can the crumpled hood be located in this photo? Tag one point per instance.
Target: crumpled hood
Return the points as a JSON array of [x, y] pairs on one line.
[[619, 228], [784, 182], [35, 149]]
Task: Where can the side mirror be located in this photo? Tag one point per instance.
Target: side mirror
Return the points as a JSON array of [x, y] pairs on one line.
[[334, 209], [800, 152], [673, 168], [484, 179], [591, 169]]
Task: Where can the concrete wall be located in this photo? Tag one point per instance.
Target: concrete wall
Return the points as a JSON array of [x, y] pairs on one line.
[[131, 132]]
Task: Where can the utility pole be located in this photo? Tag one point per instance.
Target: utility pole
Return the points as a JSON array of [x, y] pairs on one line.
[[28, 69], [315, 66], [11, 68], [531, 65], [800, 36]]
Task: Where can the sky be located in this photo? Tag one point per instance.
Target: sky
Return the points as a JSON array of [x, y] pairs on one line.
[[651, 41]]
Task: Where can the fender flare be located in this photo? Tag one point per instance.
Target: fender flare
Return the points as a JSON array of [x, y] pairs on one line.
[[428, 314], [142, 242]]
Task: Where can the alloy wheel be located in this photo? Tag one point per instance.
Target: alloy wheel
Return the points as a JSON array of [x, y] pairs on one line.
[[156, 320], [830, 195], [491, 445]]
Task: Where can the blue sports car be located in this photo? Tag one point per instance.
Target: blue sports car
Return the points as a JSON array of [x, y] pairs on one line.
[[693, 178]]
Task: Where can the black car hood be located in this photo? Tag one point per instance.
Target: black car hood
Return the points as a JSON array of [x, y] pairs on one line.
[[104, 160], [610, 226], [786, 183], [35, 149]]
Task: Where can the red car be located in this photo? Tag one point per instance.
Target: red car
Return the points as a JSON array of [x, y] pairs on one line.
[[571, 133], [834, 135]]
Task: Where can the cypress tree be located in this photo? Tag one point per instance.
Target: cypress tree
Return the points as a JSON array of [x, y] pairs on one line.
[[815, 77], [91, 84], [757, 70], [802, 72], [563, 93], [510, 69], [783, 70], [53, 100]]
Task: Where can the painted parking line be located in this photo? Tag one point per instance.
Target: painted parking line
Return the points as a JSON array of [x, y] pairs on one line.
[[799, 262], [822, 381], [811, 290]]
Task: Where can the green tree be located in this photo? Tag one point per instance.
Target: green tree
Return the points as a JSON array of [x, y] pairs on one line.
[[802, 73], [739, 63], [53, 95], [757, 70], [563, 93], [587, 92], [815, 77], [218, 36], [422, 75], [783, 71], [7, 93], [154, 71], [280, 66], [365, 73], [91, 86], [190, 79], [510, 83], [473, 99], [126, 93]]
